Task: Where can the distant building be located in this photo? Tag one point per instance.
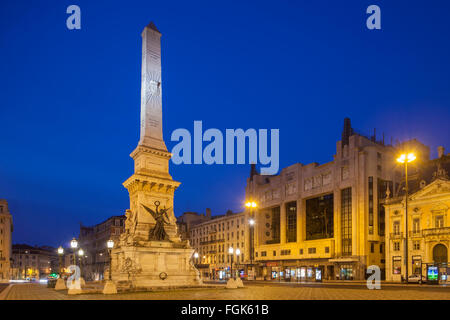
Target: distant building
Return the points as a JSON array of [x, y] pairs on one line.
[[212, 240], [428, 219], [93, 242], [33, 262], [6, 229], [189, 219]]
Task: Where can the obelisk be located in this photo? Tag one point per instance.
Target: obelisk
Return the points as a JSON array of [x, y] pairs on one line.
[[151, 93], [150, 252]]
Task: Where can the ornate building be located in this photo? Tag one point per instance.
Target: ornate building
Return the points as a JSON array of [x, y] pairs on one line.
[[212, 240], [6, 228], [428, 220], [324, 220]]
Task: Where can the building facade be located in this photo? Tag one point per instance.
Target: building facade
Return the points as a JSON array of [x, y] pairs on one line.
[[325, 221], [6, 229], [33, 263], [212, 240], [187, 220], [428, 233], [95, 262]]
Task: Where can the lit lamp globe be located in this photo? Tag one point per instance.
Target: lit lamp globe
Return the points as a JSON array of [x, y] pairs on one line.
[[60, 250], [196, 255], [251, 222], [81, 252], [74, 243], [110, 244]]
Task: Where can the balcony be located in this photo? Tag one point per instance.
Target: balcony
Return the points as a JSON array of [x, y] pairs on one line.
[[396, 235], [436, 231], [415, 234]]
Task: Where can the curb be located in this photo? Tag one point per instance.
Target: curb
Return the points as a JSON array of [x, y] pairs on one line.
[[5, 292]]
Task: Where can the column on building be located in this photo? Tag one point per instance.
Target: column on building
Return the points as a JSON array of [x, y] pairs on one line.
[[282, 223]]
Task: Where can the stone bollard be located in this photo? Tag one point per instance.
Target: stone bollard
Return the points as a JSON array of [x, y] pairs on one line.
[[231, 284], [110, 287], [239, 283], [60, 284]]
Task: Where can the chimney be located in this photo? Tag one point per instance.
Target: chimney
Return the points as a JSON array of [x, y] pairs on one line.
[[441, 151], [346, 132], [208, 213]]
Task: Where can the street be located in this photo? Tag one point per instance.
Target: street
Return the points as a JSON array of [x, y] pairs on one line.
[[253, 291]]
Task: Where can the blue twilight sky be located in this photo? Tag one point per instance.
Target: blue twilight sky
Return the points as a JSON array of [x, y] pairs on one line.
[[70, 100]]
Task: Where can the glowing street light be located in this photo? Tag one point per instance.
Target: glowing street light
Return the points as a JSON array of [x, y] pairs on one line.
[[60, 254], [74, 245], [405, 159], [110, 246], [251, 222]]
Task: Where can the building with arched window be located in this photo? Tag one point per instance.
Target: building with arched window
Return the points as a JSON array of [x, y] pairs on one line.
[[428, 231]]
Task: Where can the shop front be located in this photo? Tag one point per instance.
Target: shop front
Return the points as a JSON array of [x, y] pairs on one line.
[[437, 273]]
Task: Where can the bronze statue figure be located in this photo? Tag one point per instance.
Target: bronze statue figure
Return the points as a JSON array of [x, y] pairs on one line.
[[160, 215]]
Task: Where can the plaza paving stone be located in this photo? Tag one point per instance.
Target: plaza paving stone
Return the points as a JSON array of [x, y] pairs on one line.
[[250, 292]]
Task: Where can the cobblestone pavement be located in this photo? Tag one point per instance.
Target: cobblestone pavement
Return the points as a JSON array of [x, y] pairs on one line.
[[250, 292], [3, 286]]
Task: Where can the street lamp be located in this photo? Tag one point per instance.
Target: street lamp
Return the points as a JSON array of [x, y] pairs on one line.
[[110, 245], [60, 254], [74, 246], [110, 286], [230, 252], [196, 256], [238, 252], [405, 159], [80, 255], [251, 205]]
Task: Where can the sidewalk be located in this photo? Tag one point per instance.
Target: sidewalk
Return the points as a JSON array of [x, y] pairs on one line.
[[336, 283]]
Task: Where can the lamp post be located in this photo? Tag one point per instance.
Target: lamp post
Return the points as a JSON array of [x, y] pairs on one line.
[[238, 252], [60, 254], [230, 252], [110, 286], [74, 246], [80, 256], [251, 205], [405, 159], [60, 284], [110, 245], [196, 257]]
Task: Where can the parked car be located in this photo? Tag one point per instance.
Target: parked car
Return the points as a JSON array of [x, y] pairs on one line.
[[416, 278]]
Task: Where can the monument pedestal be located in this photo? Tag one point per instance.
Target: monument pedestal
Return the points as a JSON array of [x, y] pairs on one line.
[[154, 264]]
